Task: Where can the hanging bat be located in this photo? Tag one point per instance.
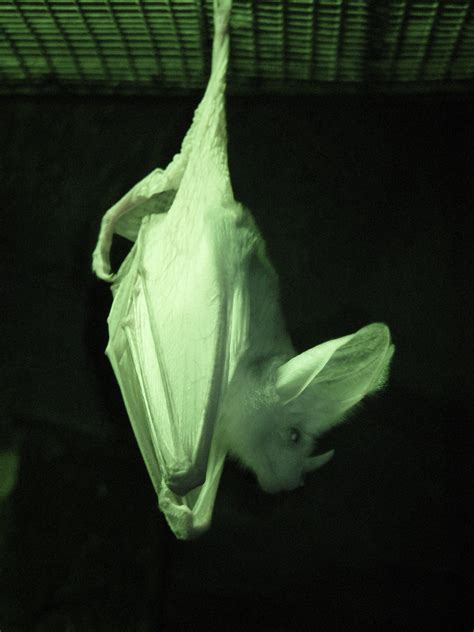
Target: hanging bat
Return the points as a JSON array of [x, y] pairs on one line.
[[197, 339]]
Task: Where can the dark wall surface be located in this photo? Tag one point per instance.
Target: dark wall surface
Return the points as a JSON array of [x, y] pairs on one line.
[[364, 204]]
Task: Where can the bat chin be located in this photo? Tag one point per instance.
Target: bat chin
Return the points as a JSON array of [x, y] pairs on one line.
[[270, 487]]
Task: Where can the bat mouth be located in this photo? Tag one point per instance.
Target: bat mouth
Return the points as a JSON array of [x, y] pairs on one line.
[[275, 485], [269, 487]]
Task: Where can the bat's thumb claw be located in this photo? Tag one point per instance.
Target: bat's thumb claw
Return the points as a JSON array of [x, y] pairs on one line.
[[101, 267]]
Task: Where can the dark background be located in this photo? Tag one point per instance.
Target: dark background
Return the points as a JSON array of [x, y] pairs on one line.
[[364, 204]]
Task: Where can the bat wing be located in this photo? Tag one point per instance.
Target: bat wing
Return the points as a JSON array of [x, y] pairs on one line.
[[179, 318], [171, 323], [177, 326]]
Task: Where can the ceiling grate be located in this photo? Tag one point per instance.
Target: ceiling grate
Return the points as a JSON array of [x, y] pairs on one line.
[[289, 46]]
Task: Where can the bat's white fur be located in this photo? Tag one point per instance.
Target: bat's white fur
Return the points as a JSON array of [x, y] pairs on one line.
[[197, 338], [259, 422]]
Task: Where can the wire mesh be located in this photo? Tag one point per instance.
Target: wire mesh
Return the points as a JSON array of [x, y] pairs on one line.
[[163, 46]]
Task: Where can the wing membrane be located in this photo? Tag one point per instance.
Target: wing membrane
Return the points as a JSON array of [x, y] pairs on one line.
[[173, 324]]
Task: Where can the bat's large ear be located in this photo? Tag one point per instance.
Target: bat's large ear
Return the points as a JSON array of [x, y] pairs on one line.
[[334, 376]]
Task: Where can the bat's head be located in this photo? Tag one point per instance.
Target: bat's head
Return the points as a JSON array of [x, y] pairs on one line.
[[287, 455], [307, 396]]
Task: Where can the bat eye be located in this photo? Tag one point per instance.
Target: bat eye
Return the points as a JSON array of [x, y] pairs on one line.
[[295, 435]]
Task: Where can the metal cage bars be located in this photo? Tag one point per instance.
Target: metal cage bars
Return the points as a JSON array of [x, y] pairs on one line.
[[157, 46]]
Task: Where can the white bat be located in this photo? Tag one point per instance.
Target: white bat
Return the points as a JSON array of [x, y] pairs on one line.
[[197, 338]]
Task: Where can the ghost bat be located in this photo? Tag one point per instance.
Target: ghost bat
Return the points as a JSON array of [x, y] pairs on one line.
[[197, 339]]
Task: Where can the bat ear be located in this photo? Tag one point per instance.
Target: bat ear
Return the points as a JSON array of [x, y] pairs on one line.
[[334, 376]]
